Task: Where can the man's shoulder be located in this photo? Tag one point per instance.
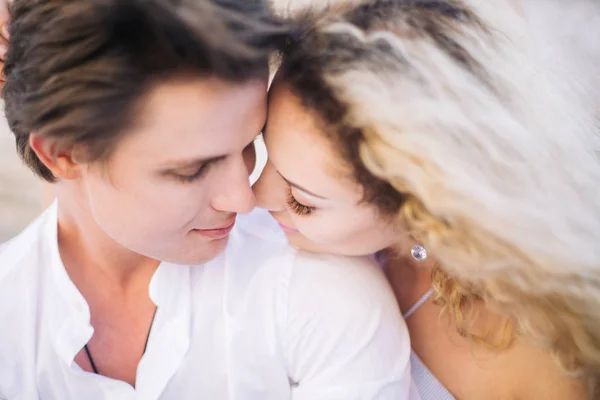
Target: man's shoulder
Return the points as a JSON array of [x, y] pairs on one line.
[[23, 252], [3, 246], [13, 254], [359, 281], [260, 245], [17, 260], [19, 263], [23, 277], [255, 241]]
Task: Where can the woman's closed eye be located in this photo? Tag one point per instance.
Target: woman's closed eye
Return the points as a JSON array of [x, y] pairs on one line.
[[295, 206]]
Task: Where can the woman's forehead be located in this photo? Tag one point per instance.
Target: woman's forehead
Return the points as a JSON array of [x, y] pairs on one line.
[[301, 152]]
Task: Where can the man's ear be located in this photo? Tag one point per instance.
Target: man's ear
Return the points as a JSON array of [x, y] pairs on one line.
[[61, 163]]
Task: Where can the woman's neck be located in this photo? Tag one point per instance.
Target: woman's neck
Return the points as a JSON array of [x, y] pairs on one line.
[[410, 279]]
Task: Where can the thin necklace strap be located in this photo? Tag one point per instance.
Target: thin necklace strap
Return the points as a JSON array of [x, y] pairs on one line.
[[150, 330], [91, 360], [89, 354], [418, 304]]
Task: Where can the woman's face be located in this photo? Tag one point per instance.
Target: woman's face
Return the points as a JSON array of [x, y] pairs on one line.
[[173, 186], [308, 189]]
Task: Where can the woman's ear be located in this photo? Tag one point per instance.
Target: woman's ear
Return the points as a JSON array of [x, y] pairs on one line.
[[60, 162]]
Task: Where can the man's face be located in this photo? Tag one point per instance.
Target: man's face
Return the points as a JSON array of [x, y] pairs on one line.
[[173, 186]]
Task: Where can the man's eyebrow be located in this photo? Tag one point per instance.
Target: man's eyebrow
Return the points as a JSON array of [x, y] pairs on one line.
[[300, 187], [193, 162]]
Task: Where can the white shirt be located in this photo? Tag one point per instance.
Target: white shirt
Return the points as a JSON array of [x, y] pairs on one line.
[[262, 321]]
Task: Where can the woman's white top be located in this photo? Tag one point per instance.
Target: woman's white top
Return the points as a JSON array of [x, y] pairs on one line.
[[428, 386], [262, 321]]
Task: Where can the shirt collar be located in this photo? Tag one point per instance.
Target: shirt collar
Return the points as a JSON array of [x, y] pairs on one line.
[[69, 314], [170, 336], [68, 310]]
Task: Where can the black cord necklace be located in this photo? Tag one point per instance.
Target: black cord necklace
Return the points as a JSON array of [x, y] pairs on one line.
[[89, 355]]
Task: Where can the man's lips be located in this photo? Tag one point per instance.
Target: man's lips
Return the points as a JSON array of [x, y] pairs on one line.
[[219, 232]]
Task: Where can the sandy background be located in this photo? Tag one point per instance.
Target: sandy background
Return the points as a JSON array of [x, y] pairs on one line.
[[20, 192]]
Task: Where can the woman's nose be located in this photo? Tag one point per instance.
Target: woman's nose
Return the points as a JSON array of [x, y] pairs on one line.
[[270, 189]]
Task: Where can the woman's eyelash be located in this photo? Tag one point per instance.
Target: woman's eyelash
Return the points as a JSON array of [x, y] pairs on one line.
[[295, 206]]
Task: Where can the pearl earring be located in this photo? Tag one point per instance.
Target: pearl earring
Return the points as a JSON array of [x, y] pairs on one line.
[[418, 252]]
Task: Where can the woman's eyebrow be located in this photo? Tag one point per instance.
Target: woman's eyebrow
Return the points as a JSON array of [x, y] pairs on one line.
[[300, 187]]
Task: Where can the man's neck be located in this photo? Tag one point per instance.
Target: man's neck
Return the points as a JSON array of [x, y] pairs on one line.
[[90, 256]]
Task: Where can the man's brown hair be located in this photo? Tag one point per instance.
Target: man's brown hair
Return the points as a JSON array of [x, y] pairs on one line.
[[76, 70]]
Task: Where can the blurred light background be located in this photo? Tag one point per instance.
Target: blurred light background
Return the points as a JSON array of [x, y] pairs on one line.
[[20, 192]]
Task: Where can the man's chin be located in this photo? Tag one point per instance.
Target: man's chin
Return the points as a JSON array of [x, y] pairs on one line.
[[200, 253]]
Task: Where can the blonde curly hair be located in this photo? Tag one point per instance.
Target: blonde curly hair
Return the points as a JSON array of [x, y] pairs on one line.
[[447, 122]]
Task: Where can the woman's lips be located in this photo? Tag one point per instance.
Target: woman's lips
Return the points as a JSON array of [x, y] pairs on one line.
[[287, 229]]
